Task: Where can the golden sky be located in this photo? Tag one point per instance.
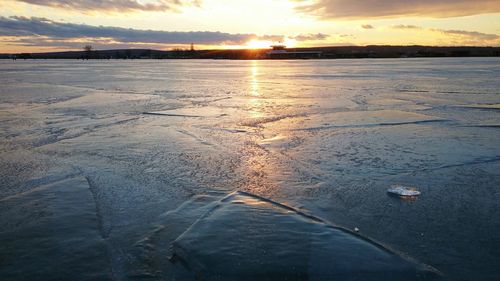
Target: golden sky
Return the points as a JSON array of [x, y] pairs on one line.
[[50, 25]]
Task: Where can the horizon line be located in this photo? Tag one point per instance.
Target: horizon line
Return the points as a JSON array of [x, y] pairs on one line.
[[260, 49]]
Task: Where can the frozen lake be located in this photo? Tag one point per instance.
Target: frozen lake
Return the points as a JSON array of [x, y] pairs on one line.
[[103, 164]]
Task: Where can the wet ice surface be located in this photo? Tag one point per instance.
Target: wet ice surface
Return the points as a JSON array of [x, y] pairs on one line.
[[50, 233], [105, 164], [246, 237]]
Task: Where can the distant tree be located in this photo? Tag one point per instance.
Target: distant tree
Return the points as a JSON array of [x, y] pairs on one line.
[[25, 56], [146, 54], [178, 53], [128, 54], [88, 50]]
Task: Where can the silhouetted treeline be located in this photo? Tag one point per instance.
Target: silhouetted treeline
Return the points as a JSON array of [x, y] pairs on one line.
[[326, 53]]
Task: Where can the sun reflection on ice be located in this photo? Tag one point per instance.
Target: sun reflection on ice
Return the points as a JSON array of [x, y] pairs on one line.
[[256, 103], [260, 169], [254, 82]]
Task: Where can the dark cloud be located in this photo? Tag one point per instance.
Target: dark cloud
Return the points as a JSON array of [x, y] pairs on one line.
[[367, 26], [391, 8], [45, 30], [113, 5], [72, 44], [311, 37]]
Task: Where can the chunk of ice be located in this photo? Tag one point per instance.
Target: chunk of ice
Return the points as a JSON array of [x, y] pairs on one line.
[[403, 190]]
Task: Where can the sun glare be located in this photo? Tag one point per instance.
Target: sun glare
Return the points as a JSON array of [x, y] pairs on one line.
[[258, 44], [265, 44]]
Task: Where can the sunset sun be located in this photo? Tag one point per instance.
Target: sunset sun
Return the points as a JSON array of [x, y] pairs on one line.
[[265, 44], [258, 44]]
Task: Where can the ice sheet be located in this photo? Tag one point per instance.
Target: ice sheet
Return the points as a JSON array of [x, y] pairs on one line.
[[61, 217], [360, 119], [206, 111], [246, 237], [495, 106], [327, 136]]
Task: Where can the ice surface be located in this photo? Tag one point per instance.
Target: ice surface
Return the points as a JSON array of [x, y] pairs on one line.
[[273, 141], [246, 237], [368, 118], [495, 106], [52, 233], [327, 136], [205, 111]]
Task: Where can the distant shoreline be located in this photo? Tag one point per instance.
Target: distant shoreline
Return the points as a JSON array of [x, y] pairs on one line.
[[337, 52]]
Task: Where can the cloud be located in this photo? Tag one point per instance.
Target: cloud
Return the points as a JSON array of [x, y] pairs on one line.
[[348, 9], [457, 37], [367, 26], [470, 34], [44, 31], [274, 38], [114, 5], [71, 44], [310, 37], [406, 26]]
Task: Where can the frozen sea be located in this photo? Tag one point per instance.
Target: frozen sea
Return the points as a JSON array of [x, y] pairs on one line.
[[103, 164]]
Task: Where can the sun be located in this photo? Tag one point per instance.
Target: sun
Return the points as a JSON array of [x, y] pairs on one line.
[[259, 44], [265, 44]]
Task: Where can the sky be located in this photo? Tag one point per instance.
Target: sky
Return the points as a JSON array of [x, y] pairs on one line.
[[60, 25]]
